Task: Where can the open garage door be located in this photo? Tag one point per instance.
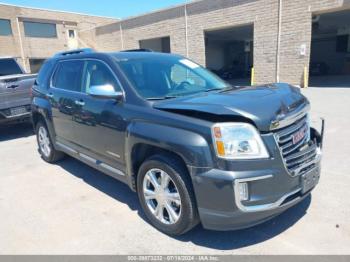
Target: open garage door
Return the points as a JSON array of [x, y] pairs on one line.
[[229, 53], [156, 44], [330, 50]]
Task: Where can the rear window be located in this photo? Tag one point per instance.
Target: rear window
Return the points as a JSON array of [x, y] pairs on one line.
[[9, 67], [44, 74], [68, 75]]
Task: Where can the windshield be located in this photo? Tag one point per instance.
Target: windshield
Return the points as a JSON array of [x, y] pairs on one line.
[[9, 67], [161, 77]]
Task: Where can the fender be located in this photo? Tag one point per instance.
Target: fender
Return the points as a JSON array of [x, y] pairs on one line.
[[42, 107], [191, 147]]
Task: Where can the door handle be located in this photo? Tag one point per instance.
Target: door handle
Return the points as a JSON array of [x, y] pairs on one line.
[[49, 95], [79, 103], [13, 86]]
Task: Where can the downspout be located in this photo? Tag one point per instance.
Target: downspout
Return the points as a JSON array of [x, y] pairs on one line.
[[279, 41], [186, 32], [121, 35], [21, 46]]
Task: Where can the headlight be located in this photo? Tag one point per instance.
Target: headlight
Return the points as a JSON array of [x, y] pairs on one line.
[[238, 141]]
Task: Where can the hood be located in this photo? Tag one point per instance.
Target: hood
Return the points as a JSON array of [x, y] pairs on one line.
[[263, 105]]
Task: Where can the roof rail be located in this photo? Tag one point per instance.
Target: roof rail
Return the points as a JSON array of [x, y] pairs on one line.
[[138, 50], [75, 52]]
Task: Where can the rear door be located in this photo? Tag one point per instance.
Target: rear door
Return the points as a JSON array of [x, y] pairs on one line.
[[64, 95]]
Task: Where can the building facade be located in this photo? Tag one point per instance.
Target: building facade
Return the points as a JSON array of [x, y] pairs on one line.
[[278, 42], [283, 40], [32, 35]]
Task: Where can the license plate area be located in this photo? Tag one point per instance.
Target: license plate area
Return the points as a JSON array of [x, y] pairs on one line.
[[18, 111], [310, 180]]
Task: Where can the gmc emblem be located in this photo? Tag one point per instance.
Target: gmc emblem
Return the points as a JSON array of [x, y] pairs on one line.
[[298, 136]]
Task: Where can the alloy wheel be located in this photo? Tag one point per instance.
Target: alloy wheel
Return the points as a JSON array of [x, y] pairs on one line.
[[162, 196], [44, 141]]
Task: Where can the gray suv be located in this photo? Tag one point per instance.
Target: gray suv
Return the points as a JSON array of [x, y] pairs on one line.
[[193, 147]]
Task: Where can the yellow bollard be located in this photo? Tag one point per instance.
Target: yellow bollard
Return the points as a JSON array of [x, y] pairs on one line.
[[252, 81], [306, 77]]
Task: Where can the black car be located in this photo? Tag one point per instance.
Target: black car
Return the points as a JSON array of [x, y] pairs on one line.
[[194, 148]]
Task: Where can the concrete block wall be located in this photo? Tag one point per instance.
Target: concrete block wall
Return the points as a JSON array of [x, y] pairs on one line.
[[296, 26], [169, 22], [296, 30], [9, 45], [226, 14], [34, 47], [201, 16]]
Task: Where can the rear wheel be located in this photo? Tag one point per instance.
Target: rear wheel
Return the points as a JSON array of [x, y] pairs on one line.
[[166, 195], [46, 148]]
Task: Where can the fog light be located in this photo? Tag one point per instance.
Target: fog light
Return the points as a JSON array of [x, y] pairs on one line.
[[243, 191]]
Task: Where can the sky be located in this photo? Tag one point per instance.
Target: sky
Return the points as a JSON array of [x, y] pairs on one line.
[[110, 8]]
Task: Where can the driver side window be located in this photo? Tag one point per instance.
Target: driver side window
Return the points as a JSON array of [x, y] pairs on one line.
[[97, 74], [180, 74]]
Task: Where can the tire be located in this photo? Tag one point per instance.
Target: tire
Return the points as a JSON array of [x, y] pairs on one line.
[[179, 188], [45, 145]]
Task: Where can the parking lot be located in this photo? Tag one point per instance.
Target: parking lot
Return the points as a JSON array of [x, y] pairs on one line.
[[70, 208]]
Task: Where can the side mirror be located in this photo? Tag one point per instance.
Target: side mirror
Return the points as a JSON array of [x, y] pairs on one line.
[[105, 91]]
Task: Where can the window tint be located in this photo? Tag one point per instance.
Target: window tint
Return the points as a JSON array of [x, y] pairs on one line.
[[180, 74], [45, 30], [9, 67], [162, 76], [5, 27], [44, 74], [68, 75], [97, 73]]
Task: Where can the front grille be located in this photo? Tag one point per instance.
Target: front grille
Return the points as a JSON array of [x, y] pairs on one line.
[[299, 157]]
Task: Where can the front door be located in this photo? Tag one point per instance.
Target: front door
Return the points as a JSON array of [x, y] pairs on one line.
[[64, 94], [102, 126]]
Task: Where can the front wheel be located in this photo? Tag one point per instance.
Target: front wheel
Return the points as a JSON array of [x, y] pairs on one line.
[[166, 195], [46, 148]]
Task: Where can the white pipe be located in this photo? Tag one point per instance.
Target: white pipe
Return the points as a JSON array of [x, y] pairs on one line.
[[121, 35], [186, 32], [279, 41], [21, 46]]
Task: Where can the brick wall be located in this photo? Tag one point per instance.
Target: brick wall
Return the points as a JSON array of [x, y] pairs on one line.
[[296, 30], [215, 14], [45, 47], [202, 15]]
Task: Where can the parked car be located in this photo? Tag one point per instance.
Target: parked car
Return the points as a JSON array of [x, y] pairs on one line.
[[234, 70], [319, 69], [194, 148], [15, 86]]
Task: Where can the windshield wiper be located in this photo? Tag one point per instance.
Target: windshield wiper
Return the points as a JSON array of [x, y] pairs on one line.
[[213, 89], [162, 98], [222, 89], [229, 88]]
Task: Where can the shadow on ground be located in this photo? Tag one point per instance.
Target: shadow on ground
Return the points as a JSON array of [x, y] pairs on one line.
[[15, 131], [217, 240], [330, 81]]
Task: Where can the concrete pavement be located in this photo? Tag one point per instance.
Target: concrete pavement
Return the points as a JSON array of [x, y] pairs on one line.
[[70, 208]]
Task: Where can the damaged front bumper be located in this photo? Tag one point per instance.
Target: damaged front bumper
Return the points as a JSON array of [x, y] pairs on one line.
[[241, 194]]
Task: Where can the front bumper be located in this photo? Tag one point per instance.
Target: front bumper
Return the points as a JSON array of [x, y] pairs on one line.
[[271, 187]]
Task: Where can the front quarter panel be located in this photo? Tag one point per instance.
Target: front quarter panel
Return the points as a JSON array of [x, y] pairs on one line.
[[191, 147]]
